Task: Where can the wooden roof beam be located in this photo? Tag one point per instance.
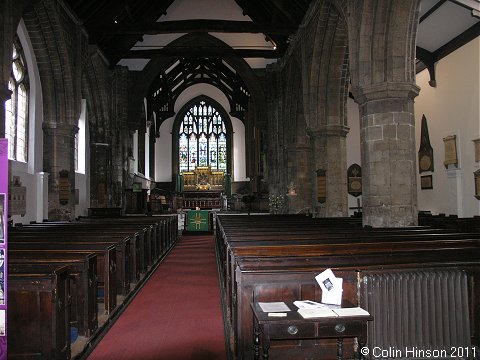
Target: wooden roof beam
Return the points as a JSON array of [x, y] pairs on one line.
[[201, 26], [192, 52]]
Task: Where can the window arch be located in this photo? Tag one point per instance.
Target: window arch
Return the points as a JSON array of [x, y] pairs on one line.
[[16, 108], [202, 136]]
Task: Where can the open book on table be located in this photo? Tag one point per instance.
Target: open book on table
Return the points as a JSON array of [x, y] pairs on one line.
[[322, 312]]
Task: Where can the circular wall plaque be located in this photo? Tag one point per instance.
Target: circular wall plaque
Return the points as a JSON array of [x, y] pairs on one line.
[[425, 163]]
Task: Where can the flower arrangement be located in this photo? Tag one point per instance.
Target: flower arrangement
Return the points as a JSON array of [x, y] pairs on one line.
[[202, 187], [277, 204]]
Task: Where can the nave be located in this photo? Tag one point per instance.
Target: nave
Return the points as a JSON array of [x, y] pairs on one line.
[[176, 315]]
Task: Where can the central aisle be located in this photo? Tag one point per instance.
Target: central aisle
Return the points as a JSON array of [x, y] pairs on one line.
[[177, 315]]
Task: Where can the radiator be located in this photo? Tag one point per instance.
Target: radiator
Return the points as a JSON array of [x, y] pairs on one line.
[[417, 311]]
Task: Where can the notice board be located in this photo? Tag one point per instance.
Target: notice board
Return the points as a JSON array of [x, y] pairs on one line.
[[3, 246]]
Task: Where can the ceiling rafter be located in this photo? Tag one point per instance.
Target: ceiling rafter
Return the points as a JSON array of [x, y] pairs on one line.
[[431, 10], [198, 26], [187, 72], [194, 52]]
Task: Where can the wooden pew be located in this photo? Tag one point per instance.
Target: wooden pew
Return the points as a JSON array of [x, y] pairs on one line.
[[127, 270], [106, 265], [38, 315], [83, 287], [282, 266], [138, 234], [51, 244]]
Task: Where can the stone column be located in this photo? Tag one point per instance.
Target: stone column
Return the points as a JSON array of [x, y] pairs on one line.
[[299, 165], [58, 161], [330, 154], [388, 154], [101, 178]]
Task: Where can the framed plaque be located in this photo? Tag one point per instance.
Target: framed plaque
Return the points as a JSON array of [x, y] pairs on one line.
[[476, 175], [426, 182], [450, 143], [63, 187], [137, 187], [354, 176], [476, 149], [321, 185], [17, 196]]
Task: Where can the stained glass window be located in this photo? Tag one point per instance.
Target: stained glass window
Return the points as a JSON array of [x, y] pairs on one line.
[[202, 139], [16, 108]]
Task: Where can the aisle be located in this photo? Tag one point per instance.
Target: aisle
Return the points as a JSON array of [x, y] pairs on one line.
[[177, 315]]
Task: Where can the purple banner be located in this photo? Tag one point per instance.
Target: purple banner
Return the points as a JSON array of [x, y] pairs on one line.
[[3, 246]]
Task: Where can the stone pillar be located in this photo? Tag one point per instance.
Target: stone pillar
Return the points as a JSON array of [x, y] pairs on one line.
[[330, 154], [58, 161], [388, 154], [101, 178], [299, 166]]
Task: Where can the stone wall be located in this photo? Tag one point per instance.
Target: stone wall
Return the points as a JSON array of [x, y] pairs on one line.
[[70, 71], [338, 45]]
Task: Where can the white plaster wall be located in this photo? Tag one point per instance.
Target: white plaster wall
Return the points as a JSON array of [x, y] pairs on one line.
[[163, 145], [82, 176], [451, 108], [29, 172]]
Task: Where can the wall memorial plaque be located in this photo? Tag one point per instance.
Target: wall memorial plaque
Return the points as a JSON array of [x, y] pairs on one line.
[[321, 185], [450, 143], [17, 196], [63, 187], [476, 144], [426, 182], [425, 153], [476, 175], [354, 176]]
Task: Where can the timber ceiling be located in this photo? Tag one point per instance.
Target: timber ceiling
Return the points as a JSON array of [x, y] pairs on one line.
[[118, 27]]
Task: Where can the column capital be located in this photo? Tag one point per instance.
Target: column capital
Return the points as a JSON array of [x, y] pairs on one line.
[[328, 130], [60, 128], [298, 147], [385, 90]]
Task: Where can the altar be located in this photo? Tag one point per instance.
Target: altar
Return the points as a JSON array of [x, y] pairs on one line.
[[202, 189], [198, 220]]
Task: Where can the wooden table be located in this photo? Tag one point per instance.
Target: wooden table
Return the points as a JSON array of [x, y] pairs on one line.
[[294, 326]]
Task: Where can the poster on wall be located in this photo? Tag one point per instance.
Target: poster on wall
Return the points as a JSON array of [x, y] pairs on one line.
[[3, 246]]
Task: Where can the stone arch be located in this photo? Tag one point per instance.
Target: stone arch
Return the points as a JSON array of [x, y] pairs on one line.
[[382, 37], [298, 150], [145, 78], [94, 69], [328, 76], [60, 74], [326, 79], [61, 105], [382, 65]]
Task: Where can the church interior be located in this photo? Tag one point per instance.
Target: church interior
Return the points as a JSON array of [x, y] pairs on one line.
[[272, 139]]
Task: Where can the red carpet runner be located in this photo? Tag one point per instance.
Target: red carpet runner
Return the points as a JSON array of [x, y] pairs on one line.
[[177, 314]]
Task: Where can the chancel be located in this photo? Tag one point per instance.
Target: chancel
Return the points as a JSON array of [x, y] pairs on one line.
[[173, 164]]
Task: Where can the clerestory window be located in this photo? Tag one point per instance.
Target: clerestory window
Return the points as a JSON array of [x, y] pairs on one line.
[[16, 108]]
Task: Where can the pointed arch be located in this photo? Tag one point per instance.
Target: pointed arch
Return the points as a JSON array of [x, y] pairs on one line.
[[203, 137]]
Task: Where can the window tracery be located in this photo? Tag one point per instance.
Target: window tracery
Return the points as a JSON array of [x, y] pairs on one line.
[[202, 139], [16, 108]]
